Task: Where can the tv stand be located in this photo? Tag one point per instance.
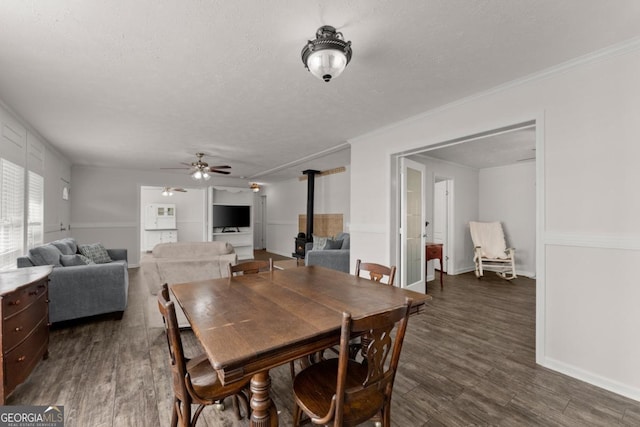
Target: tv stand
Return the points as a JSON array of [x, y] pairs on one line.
[[227, 230]]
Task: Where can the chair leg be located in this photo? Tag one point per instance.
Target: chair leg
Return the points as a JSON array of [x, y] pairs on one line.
[[386, 415], [297, 415], [196, 415], [292, 370], [174, 412], [184, 409], [236, 406], [242, 399]]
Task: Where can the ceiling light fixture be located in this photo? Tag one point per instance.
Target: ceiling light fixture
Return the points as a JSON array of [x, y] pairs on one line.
[[327, 56], [201, 173], [254, 187]]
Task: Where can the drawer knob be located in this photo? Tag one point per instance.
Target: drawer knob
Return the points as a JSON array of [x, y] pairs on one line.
[[22, 358], [16, 302], [19, 328]]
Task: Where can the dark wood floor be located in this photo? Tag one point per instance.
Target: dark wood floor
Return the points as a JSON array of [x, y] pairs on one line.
[[467, 361]]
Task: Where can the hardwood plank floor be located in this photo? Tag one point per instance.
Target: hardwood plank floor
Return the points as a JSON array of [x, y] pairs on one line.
[[468, 360]]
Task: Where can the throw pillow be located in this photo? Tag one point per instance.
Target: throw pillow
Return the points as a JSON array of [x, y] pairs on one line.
[[95, 252], [333, 244], [75, 259], [45, 255], [64, 247], [319, 242], [346, 241]]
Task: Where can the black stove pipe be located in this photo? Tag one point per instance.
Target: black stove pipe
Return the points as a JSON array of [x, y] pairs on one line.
[[311, 174]]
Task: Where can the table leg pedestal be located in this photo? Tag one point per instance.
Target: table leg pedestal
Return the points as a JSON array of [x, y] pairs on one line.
[[264, 412]]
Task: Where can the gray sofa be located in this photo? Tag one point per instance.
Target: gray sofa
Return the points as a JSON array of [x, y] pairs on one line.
[[77, 291], [336, 259]]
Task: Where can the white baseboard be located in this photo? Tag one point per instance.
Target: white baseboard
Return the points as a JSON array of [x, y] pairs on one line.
[[591, 378], [462, 270]]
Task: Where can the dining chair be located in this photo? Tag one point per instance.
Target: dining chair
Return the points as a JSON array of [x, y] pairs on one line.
[[377, 271], [251, 267], [194, 380], [343, 392]]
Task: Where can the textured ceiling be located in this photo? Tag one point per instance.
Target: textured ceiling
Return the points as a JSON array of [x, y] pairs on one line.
[[146, 84], [490, 151]]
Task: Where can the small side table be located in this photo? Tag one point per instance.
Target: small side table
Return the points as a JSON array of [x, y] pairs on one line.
[[434, 251]]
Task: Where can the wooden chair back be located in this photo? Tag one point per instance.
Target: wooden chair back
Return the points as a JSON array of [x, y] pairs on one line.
[[251, 267], [381, 363], [377, 271], [174, 341]]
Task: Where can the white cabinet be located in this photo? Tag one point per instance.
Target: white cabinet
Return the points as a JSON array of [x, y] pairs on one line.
[[159, 224], [160, 216]]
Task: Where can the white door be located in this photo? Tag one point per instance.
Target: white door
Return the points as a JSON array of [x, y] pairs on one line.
[[440, 216], [412, 225], [259, 229]]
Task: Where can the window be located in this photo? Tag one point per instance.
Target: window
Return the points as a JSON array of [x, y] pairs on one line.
[[35, 214], [11, 213]]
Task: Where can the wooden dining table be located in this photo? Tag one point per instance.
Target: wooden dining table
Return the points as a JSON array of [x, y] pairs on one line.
[[252, 323]]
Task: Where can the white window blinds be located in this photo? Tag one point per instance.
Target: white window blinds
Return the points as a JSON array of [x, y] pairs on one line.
[[35, 218], [11, 213]]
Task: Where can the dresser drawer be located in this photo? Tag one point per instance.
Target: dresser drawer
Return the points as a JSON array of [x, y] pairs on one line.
[[18, 326], [19, 362], [22, 297]]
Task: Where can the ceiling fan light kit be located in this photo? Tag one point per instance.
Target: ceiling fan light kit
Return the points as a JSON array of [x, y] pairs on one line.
[[254, 187], [168, 191], [327, 56]]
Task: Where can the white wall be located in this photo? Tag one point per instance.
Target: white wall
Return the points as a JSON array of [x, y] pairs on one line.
[[191, 211], [508, 195], [587, 131], [288, 199]]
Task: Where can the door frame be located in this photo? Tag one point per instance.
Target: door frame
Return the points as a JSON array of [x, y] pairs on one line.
[[537, 120]]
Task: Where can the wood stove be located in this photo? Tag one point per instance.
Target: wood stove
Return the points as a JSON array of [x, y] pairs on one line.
[[303, 238]]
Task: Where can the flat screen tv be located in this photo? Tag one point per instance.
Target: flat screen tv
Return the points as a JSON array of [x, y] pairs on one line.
[[227, 216]]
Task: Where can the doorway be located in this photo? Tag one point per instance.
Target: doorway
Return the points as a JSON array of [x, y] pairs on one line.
[[259, 222], [443, 218], [464, 161]]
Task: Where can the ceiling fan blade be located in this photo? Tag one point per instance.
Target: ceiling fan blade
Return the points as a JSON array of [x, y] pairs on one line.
[[186, 164], [181, 190], [217, 171], [220, 167]]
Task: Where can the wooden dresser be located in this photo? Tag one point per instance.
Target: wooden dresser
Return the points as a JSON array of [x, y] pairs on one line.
[[24, 312]]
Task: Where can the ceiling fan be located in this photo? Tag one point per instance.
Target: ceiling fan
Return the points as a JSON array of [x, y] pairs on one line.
[[201, 169], [168, 191]]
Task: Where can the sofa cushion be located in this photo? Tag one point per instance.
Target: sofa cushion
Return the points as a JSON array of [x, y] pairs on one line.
[[96, 252], [67, 246], [333, 244], [74, 259], [192, 250], [45, 255]]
